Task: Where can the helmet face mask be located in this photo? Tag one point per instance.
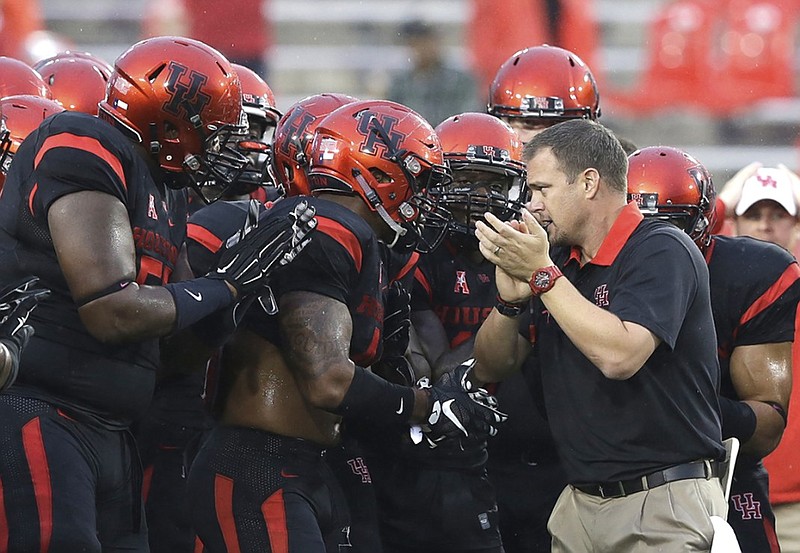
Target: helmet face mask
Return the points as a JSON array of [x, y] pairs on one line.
[[390, 156], [182, 101], [670, 185], [485, 156], [476, 191]]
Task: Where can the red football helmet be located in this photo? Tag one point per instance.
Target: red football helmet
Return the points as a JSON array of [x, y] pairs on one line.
[[257, 99], [485, 156], [544, 82], [258, 103], [182, 100], [17, 77], [77, 80], [291, 143], [390, 156], [21, 116], [669, 184]]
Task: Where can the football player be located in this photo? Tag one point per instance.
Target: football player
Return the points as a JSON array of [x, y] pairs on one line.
[[96, 208], [755, 288], [440, 499], [290, 380]]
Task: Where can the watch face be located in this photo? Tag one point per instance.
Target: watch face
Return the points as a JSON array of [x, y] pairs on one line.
[[542, 279]]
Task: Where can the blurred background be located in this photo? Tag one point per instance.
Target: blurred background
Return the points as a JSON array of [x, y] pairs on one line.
[[715, 78]]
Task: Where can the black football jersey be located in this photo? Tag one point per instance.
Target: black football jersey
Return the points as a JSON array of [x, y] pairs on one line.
[[344, 261], [460, 292], [754, 295], [69, 153]]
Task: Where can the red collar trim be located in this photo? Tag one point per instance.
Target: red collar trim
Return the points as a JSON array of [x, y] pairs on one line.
[[626, 222]]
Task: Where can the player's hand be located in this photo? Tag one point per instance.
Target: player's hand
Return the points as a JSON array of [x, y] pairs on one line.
[[17, 301], [393, 364], [731, 191], [459, 410], [262, 245]]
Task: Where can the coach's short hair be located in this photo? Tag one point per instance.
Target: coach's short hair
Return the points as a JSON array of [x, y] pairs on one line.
[[580, 144]]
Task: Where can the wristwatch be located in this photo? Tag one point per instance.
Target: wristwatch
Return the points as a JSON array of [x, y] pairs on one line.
[[544, 279]]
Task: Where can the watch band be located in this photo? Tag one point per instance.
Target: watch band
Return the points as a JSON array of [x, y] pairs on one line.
[[509, 309], [544, 279]]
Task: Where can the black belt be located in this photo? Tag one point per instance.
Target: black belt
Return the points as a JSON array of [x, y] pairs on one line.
[[621, 488]]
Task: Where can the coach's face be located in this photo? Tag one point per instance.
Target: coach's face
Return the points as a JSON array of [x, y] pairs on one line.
[[555, 202]]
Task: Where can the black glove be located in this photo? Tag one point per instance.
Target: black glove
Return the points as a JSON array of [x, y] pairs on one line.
[[262, 244], [17, 301], [458, 410], [393, 365]]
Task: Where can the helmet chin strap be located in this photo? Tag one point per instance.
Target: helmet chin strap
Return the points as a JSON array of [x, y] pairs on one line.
[[375, 202]]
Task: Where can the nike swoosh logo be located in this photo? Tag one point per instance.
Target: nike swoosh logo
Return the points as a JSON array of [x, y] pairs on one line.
[[223, 270], [285, 474], [400, 410], [197, 296], [447, 410]]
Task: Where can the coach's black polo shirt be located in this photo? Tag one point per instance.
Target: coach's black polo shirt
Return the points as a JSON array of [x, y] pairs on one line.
[[650, 273]]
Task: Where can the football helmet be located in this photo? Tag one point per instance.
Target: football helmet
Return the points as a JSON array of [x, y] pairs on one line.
[[291, 143], [258, 103], [544, 82], [485, 157], [21, 116], [182, 101], [390, 156], [258, 100], [669, 184], [17, 77], [77, 80]]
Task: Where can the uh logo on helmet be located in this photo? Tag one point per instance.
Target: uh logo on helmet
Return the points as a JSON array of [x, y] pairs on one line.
[[388, 155], [182, 101]]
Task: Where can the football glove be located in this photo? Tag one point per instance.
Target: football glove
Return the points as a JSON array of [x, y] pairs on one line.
[[459, 410], [262, 245], [17, 301], [393, 365]]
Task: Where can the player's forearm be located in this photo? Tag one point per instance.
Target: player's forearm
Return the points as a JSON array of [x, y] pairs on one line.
[[138, 313], [768, 432]]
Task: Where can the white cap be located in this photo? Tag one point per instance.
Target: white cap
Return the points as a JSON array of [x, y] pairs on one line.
[[768, 184]]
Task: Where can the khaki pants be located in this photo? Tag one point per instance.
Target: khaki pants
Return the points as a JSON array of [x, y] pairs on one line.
[[673, 518], [787, 526]]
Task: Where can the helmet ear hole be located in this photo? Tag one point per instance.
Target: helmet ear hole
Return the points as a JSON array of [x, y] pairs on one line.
[[380, 176], [151, 78], [170, 131]]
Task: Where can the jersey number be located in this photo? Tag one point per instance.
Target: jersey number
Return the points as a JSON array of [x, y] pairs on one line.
[[152, 271]]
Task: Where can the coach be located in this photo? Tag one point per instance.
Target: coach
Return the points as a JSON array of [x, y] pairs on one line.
[[625, 342]]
